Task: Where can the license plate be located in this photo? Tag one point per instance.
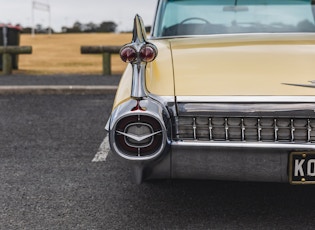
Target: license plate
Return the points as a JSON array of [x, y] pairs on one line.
[[302, 168]]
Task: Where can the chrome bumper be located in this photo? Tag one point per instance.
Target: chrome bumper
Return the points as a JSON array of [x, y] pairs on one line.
[[233, 161]]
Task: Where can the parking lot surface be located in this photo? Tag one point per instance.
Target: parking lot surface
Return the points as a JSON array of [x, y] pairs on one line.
[[48, 179]]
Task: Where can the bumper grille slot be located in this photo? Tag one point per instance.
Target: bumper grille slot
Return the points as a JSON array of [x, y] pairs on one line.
[[262, 129]]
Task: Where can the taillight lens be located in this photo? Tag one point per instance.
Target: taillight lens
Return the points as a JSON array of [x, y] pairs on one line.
[[147, 53], [128, 54]]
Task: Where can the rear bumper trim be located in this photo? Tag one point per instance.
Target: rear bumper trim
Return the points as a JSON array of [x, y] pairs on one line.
[[230, 144]]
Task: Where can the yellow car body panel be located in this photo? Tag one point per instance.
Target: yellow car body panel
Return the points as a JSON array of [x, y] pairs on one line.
[[235, 65], [124, 87], [159, 74], [244, 65]]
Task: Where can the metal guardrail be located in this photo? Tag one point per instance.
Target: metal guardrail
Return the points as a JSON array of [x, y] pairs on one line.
[[106, 52]]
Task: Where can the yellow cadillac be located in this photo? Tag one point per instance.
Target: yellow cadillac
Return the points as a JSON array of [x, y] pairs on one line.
[[222, 90]]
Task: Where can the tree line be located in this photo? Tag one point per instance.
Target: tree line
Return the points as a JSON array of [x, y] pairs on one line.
[[104, 27]]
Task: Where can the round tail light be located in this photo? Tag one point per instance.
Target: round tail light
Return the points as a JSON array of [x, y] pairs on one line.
[[128, 54], [147, 53]]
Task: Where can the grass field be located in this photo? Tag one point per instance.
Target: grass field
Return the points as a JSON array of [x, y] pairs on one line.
[[60, 54]]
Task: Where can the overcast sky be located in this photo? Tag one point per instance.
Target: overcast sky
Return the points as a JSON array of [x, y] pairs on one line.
[[66, 12]]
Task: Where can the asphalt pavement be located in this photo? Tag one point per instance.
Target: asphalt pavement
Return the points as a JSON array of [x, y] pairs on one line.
[[58, 84], [48, 179]]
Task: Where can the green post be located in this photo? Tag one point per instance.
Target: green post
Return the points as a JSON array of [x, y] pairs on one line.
[[7, 64], [106, 64], [106, 51], [7, 52]]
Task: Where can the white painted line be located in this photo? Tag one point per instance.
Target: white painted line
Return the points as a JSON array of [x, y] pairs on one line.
[[103, 151]]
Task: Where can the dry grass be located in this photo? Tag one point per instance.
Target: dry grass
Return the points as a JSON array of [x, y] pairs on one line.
[[60, 54]]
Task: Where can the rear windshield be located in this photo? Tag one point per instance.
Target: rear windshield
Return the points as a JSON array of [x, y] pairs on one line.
[[199, 17]]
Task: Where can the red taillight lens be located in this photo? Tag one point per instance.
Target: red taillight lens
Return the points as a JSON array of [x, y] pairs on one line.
[[128, 54], [147, 53]]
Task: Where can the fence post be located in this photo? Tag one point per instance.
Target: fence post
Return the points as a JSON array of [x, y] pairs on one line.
[[7, 52], [7, 64], [106, 64], [106, 52]]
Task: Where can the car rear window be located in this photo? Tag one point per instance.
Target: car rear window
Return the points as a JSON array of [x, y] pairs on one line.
[[199, 17]]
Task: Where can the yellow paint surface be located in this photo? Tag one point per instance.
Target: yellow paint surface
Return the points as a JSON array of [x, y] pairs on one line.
[[243, 65], [229, 65]]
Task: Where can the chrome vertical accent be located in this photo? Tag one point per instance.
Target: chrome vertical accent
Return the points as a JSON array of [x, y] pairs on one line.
[[138, 89], [176, 128], [258, 129], [292, 130], [243, 130], [276, 129], [210, 129], [139, 40], [309, 130], [138, 34], [194, 128], [226, 127]]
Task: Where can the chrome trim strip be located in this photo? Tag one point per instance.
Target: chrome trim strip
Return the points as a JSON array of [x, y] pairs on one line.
[[312, 85], [257, 109], [246, 36], [291, 146], [164, 100], [245, 98]]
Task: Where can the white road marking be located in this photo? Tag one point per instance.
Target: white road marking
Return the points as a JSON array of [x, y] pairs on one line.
[[103, 151]]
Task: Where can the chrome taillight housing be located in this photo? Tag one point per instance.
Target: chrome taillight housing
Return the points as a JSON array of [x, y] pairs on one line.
[[139, 135], [137, 127], [137, 130], [138, 53]]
